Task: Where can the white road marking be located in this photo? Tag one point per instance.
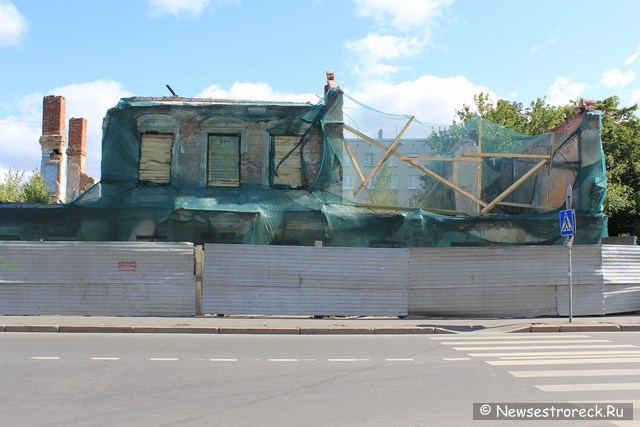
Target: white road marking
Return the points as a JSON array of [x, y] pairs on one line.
[[105, 358], [561, 362], [533, 337], [347, 360], [223, 360], [45, 358], [576, 373], [588, 356], [554, 353], [519, 342], [163, 359], [589, 387], [545, 347], [292, 360]]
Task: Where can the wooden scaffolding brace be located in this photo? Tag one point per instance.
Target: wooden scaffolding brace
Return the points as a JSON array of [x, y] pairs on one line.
[[483, 206]]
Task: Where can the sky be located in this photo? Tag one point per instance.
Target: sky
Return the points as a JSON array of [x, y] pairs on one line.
[[424, 58]]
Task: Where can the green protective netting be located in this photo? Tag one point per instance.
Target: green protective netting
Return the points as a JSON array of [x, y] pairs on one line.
[[368, 179]]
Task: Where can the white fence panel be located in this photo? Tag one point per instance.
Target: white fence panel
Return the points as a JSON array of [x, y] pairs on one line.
[[494, 281], [588, 287], [97, 278], [621, 277], [302, 280]]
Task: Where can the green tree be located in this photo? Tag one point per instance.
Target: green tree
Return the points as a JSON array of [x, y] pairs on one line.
[[620, 138], [11, 187], [35, 190], [539, 117], [383, 192], [14, 188]]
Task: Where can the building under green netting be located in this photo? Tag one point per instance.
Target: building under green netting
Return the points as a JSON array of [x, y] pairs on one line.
[[279, 173]]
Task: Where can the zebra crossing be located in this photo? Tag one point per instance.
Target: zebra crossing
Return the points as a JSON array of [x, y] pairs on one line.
[[579, 364]]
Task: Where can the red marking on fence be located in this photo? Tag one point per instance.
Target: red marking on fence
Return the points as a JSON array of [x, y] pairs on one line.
[[127, 266]]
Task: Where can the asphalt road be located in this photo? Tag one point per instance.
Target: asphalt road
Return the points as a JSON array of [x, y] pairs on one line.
[[265, 380]]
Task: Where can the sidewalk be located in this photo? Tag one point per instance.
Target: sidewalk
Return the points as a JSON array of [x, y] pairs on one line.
[[304, 325]]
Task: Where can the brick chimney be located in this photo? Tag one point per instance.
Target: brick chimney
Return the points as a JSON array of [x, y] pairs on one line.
[[54, 146], [76, 156]]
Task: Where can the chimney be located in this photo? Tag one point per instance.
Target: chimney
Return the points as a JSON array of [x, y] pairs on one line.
[[76, 156], [331, 81], [53, 112], [54, 146], [77, 151]]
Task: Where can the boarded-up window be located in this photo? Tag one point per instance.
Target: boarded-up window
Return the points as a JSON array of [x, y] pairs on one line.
[[286, 160], [155, 158], [223, 157]]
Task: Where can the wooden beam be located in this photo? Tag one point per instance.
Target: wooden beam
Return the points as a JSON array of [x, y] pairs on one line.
[[449, 184], [467, 157], [437, 159], [354, 161], [388, 153], [513, 186], [366, 138], [508, 155], [522, 205]]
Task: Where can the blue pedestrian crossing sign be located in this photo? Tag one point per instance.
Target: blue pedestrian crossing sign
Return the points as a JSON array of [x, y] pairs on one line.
[[567, 222]]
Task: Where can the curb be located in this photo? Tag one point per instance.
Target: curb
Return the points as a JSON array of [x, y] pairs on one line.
[[225, 330], [600, 327], [96, 329], [260, 330], [30, 328], [265, 330], [175, 330]]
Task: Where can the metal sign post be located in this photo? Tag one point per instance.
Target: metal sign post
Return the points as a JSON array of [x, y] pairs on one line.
[[568, 229]]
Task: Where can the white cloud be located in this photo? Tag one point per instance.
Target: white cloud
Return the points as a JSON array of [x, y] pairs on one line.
[[13, 25], [430, 99], [615, 77], [405, 14], [19, 138], [632, 59], [177, 7], [20, 134], [564, 90], [255, 92], [402, 30], [372, 50], [375, 47]]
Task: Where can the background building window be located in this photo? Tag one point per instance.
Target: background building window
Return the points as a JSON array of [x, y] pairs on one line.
[[348, 182], [369, 159], [394, 182], [413, 182]]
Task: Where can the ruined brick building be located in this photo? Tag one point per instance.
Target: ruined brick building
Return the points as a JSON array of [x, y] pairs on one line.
[[250, 172], [63, 159]]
